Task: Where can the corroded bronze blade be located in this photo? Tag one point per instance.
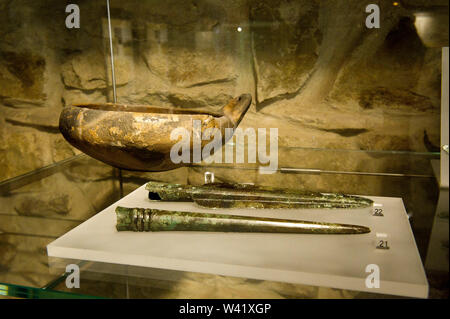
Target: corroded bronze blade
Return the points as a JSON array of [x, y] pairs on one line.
[[146, 219], [219, 195]]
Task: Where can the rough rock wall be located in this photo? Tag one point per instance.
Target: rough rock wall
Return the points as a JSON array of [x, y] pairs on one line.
[[314, 70], [34, 46]]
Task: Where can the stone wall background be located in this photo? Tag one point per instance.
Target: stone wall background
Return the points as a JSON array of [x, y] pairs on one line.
[[314, 71]]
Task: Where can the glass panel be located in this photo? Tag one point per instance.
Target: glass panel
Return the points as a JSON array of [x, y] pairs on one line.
[[356, 108], [44, 189], [37, 208]]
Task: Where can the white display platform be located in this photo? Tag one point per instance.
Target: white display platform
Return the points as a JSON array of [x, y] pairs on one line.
[[336, 261]]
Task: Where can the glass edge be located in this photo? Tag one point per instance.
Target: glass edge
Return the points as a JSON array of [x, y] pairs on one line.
[[18, 291]]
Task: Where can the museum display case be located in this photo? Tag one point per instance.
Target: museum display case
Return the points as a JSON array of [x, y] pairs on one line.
[[305, 143]]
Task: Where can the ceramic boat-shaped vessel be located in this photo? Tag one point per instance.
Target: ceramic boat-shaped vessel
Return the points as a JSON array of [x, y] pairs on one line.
[[137, 137]]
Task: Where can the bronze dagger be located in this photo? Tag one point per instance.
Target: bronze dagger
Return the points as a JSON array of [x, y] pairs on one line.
[[222, 195], [147, 219]]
